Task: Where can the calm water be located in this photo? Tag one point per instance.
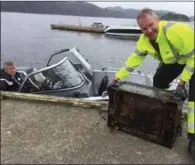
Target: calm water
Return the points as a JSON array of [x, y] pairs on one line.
[[28, 40]]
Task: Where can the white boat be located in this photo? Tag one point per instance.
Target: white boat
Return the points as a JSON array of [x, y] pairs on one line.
[[123, 31]]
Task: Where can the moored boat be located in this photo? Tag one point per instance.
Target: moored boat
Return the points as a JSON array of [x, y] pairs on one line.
[[124, 31]]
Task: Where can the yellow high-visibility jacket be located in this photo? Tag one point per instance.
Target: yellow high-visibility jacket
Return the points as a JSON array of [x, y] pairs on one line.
[[176, 44]]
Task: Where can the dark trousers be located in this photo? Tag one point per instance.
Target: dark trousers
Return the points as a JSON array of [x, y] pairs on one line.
[[166, 73]]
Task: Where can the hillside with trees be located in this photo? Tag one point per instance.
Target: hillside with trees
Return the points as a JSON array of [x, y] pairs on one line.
[[176, 17], [79, 8]]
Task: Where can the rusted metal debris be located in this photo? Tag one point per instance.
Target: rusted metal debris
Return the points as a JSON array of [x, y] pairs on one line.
[[145, 112]]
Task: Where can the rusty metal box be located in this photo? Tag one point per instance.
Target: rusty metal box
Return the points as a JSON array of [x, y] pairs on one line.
[[146, 112]]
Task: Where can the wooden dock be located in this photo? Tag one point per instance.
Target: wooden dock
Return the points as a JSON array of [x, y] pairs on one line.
[[78, 28]]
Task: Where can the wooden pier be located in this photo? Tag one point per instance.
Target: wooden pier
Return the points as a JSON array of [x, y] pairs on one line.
[[78, 28]]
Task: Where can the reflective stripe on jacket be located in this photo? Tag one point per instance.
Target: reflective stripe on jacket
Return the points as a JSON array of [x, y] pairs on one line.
[[191, 121], [176, 45]]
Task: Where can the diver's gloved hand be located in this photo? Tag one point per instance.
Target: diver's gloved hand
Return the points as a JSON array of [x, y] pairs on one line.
[[181, 92], [113, 82]]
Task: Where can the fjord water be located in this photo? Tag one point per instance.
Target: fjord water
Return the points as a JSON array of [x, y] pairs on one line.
[[28, 40]]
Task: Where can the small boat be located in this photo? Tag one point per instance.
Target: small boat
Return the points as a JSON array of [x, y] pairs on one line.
[[123, 31], [97, 25], [69, 74]]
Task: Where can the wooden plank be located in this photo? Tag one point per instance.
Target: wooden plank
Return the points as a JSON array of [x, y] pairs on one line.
[[69, 101]]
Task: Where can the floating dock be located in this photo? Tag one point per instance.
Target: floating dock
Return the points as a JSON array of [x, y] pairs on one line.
[[78, 28]]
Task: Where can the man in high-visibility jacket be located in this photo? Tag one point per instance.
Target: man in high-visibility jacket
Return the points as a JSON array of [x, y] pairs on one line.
[[173, 45]]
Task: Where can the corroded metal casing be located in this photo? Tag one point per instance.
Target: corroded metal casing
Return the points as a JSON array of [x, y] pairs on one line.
[[146, 112]]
